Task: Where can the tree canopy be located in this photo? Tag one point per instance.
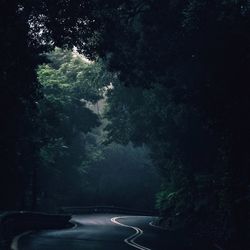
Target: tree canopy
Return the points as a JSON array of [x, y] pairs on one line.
[[178, 82]]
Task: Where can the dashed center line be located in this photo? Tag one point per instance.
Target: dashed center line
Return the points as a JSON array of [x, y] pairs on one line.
[[131, 239]]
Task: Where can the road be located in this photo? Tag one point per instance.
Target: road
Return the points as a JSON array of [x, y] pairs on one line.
[[104, 232]]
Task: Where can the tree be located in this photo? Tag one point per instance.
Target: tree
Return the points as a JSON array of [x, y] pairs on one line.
[[19, 93], [198, 52], [68, 82], [187, 58], [28, 28]]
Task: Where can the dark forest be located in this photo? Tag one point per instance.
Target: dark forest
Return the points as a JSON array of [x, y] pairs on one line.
[[137, 104]]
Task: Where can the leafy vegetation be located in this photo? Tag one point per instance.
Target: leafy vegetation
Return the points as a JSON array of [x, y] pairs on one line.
[[64, 121], [175, 76], [186, 64]]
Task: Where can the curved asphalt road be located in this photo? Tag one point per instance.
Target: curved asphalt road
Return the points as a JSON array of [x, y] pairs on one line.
[[101, 231]]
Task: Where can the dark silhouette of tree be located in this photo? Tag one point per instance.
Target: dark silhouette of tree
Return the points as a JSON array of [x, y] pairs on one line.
[[198, 52], [185, 65]]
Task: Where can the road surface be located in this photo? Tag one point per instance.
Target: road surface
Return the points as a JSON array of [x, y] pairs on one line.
[[101, 232]]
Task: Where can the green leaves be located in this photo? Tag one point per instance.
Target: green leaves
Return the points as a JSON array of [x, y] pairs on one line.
[[69, 82]]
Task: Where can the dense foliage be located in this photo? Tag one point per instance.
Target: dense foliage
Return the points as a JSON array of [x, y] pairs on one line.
[[180, 85], [193, 59], [64, 120]]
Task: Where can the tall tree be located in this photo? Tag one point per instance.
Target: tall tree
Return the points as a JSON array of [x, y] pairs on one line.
[[69, 82], [198, 51], [27, 29]]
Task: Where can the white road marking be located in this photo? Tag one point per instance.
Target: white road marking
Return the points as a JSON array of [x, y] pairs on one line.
[[14, 244], [75, 225], [131, 239], [153, 225]]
